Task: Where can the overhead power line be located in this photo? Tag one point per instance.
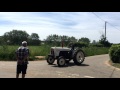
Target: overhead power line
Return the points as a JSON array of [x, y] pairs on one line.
[[113, 26], [98, 16], [104, 20]]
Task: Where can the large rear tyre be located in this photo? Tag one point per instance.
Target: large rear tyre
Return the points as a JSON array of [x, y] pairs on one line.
[[50, 60], [61, 61], [79, 57]]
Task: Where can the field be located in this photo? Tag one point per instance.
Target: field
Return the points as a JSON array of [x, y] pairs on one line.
[[8, 52]]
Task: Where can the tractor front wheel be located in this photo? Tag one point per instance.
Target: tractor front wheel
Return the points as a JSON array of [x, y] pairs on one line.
[[61, 61], [50, 60]]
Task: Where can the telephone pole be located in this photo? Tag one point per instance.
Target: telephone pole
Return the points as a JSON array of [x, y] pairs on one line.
[[105, 29]]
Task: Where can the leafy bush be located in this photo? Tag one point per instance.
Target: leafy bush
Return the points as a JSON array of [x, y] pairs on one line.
[[96, 45], [80, 45], [91, 51], [114, 53]]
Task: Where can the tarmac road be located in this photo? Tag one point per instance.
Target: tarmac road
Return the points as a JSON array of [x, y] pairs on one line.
[[92, 67]]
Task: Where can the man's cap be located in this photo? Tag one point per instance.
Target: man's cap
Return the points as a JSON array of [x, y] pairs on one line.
[[24, 42]]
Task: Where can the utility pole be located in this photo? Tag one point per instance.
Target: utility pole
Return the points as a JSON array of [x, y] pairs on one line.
[[105, 29]]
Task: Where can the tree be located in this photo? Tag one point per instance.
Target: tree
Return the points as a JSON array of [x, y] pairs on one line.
[[33, 39], [103, 40], [35, 36], [1, 40], [56, 40], [84, 40], [15, 37], [49, 39], [94, 42], [72, 39]]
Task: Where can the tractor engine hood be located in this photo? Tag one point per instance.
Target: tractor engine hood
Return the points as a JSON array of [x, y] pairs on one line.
[[61, 48]]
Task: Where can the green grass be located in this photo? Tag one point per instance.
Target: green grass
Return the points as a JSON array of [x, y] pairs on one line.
[[8, 52], [114, 64], [39, 50], [91, 51]]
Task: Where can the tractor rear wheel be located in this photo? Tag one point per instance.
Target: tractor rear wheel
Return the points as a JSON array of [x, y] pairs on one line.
[[79, 57]]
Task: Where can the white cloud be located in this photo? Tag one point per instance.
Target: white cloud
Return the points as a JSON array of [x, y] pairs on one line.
[[77, 24]]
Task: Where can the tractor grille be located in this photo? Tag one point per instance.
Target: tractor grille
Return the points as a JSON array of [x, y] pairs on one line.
[[52, 52]]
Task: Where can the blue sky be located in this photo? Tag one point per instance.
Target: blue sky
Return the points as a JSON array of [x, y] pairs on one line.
[[77, 24]]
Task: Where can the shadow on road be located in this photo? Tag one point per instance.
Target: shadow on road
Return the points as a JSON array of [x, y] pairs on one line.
[[70, 64]]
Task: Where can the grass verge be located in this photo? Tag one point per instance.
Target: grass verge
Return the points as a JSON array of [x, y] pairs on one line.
[[117, 65]]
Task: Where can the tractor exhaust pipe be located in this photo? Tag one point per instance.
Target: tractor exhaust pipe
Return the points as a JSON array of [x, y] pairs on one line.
[[62, 44]]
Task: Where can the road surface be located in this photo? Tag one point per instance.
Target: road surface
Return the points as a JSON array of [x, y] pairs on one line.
[[92, 67]]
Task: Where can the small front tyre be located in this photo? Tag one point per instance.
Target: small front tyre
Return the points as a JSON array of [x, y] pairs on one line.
[[61, 61], [50, 60]]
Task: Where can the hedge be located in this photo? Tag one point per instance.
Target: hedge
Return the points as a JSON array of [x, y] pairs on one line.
[[114, 53]]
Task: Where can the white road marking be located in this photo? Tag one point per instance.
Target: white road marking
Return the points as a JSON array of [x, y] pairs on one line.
[[75, 74], [69, 76], [58, 72], [89, 77]]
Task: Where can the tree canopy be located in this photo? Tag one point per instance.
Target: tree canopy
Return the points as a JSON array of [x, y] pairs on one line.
[[84, 40], [15, 37]]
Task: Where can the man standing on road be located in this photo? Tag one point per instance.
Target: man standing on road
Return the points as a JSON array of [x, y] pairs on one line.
[[22, 54]]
